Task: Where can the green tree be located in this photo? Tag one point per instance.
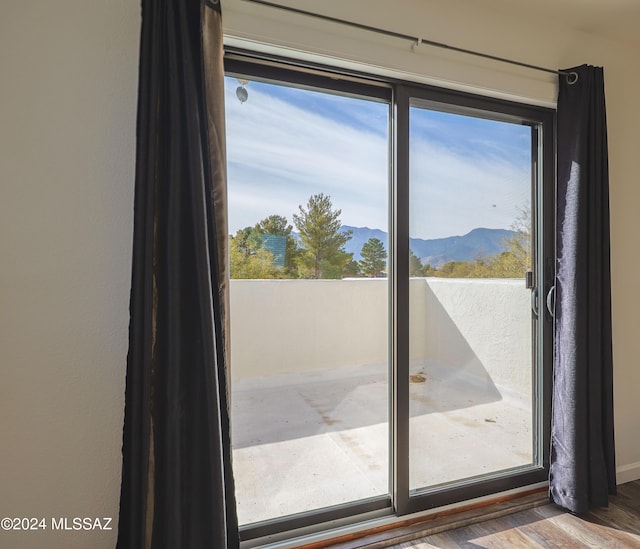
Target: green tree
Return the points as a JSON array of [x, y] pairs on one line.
[[374, 258], [322, 254], [519, 245], [277, 225], [246, 261], [247, 240], [274, 224], [351, 269], [456, 269], [415, 265], [515, 260]]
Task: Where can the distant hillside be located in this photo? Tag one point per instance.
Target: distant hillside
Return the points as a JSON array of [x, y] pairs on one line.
[[360, 236], [438, 251]]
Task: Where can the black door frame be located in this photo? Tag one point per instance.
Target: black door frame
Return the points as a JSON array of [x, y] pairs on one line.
[[398, 94]]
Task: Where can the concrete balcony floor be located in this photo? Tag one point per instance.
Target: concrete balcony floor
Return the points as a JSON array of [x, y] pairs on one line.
[[309, 440]]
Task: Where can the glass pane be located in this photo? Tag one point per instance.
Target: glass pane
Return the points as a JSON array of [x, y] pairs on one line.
[[308, 218], [470, 314]]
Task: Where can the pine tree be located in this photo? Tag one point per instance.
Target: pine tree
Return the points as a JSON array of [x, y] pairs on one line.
[[374, 258], [322, 254]]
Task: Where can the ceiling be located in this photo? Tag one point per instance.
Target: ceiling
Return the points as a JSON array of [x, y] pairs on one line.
[[614, 19]]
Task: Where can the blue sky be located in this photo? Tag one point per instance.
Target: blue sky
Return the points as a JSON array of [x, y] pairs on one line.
[[285, 144]]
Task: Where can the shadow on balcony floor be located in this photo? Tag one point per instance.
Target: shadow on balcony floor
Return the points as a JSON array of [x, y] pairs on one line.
[[315, 439], [281, 407]]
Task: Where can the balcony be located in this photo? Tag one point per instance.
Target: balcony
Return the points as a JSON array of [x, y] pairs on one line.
[[310, 387]]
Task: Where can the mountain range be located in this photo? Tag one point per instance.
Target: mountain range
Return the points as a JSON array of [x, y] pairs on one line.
[[438, 251]]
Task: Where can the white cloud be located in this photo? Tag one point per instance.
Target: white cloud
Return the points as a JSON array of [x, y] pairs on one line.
[[452, 194], [280, 154]]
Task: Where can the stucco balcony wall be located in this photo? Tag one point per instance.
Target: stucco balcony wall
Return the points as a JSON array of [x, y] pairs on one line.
[[291, 326]]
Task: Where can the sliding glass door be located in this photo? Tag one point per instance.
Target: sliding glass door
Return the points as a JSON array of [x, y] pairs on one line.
[[476, 223], [471, 370], [388, 244], [308, 214]]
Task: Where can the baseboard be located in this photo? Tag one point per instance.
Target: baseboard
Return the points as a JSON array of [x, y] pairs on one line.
[[401, 534], [628, 473]]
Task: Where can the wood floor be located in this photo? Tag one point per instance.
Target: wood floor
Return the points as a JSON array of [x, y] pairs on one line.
[[548, 526]]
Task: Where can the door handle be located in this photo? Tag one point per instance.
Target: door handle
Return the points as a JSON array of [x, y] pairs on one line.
[[551, 301], [534, 301]]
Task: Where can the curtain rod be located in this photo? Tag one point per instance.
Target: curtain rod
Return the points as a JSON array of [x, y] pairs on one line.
[[416, 41]]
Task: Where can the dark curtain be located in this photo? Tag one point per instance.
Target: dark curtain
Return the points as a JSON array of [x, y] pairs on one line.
[[177, 487], [582, 469]]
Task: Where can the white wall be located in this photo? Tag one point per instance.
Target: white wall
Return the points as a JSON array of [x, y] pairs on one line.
[[537, 40], [486, 323], [67, 136], [286, 326], [67, 126], [283, 326]]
